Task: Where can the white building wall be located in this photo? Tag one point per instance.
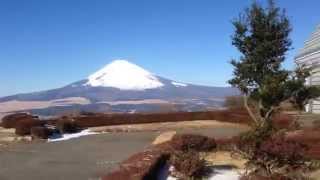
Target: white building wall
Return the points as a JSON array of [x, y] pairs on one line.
[[309, 55]]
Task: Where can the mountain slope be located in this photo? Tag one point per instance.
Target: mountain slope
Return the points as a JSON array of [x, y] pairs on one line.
[[124, 81]]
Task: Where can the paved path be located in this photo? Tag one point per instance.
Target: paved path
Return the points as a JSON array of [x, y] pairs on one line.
[[83, 158]]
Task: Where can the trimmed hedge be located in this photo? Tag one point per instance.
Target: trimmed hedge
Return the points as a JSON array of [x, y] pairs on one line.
[[67, 125], [141, 166], [146, 165], [40, 132], [24, 126], [11, 120], [233, 116]]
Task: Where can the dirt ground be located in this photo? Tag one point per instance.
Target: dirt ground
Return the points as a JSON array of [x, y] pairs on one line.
[[91, 156], [8, 136]]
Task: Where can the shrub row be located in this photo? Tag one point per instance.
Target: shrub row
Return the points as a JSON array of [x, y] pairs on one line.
[[234, 116], [146, 165], [23, 127], [11, 120], [24, 122], [67, 125], [141, 166], [311, 138], [284, 121], [41, 132]]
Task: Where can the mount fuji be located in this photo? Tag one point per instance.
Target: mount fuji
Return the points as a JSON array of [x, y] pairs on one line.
[[120, 86]]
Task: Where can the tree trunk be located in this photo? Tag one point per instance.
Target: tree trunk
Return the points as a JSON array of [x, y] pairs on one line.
[[251, 114]]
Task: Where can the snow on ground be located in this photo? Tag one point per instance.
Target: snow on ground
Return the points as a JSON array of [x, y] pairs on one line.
[[124, 75], [178, 84], [64, 137], [218, 174], [225, 174]]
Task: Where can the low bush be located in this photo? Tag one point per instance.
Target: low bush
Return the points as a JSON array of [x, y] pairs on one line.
[[144, 165], [24, 126], [316, 124], [67, 125], [187, 142], [284, 121], [283, 152], [306, 136], [187, 165], [11, 120], [274, 154], [40, 132], [310, 137]]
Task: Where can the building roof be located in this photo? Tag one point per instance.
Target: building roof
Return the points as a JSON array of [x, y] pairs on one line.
[[312, 45]]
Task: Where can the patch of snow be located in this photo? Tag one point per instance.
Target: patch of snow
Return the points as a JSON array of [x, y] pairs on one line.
[[65, 137], [178, 84], [218, 174], [225, 174], [124, 75]]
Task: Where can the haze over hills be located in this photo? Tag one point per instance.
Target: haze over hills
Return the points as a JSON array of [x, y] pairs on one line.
[[119, 87]]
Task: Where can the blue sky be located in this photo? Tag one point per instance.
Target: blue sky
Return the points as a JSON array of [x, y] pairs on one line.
[[47, 44]]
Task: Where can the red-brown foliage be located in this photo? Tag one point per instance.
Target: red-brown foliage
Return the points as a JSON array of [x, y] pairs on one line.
[[24, 126], [283, 151], [40, 132], [311, 138], [191, 142], [11, 120], [235, 116], [284, 121], [273, 153], [145, 165], [188, 164], [67, 125], [141, 166], [316, 124]]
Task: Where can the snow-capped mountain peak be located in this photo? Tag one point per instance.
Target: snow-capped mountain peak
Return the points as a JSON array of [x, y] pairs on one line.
[[124, 75]]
